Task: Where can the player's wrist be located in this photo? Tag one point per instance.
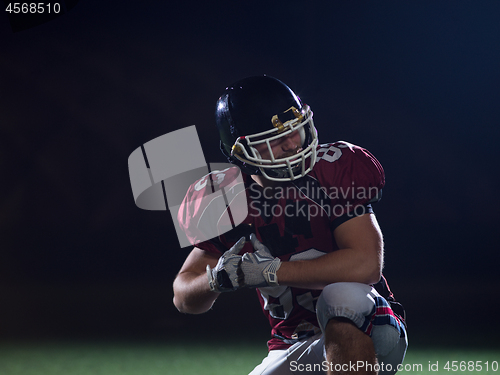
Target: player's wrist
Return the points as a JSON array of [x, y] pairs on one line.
[[271, 272], [287, 273]]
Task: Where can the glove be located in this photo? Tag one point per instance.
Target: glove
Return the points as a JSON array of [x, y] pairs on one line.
[[224, 277], [259, 268]]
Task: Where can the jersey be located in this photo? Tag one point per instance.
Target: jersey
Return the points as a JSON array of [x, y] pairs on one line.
[[295, 221]]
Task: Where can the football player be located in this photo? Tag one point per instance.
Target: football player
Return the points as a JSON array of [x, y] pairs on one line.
[[310, 243]]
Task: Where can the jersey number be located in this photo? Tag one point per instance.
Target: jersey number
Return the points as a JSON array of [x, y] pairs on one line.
[[329, 154], [219, 177]]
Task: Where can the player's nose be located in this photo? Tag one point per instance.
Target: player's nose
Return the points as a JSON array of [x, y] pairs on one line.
[[288, 143]]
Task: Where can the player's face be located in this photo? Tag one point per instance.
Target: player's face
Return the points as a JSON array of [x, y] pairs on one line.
[[283, 147]]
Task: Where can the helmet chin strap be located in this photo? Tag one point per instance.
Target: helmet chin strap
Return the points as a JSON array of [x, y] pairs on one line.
[[279, 172]]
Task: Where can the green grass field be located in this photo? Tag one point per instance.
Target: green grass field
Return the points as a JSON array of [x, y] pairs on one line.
[[143, 358]]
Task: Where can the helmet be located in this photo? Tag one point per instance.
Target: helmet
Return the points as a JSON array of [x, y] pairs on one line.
[[257, 110]]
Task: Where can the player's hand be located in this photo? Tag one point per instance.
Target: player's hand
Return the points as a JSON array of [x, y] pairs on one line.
[[224, 277], [259, 268]]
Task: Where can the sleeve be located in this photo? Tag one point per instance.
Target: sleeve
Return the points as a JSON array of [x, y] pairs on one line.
[[354, 179], [189, 215], [366, 175], [203, 214]]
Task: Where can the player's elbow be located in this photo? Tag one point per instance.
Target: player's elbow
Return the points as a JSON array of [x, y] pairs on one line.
[[368, 275], [189, 300], [373, 276], [180, 306], [370, 270], [185, 307]]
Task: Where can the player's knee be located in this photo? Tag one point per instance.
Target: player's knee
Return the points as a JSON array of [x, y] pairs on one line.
[[351, 301]]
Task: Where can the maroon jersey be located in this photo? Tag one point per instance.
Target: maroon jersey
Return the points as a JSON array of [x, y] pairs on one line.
[[296, 222]]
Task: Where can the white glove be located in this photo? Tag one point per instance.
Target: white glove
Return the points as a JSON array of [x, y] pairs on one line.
[[224, 277], [259, 268]]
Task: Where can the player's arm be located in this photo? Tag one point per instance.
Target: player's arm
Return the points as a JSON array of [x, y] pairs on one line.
[[359, 258], [192, 293]]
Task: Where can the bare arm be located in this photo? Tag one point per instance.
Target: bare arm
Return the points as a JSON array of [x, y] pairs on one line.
[[191, 291], [359, 258]]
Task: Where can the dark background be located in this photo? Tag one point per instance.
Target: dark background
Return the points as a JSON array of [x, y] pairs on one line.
[[415, 82]]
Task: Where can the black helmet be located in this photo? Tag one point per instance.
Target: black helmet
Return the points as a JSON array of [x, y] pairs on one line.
[[256, 110]]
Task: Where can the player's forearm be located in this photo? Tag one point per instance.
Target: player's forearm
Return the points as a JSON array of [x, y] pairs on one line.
[[345, 265], [192, 294]]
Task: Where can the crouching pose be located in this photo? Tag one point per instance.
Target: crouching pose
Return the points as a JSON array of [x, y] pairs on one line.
[[309, 244]]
